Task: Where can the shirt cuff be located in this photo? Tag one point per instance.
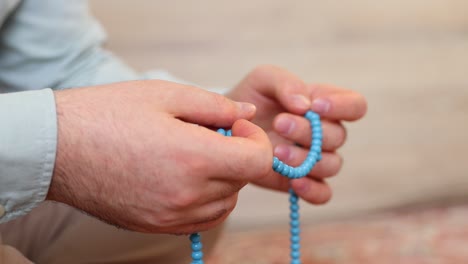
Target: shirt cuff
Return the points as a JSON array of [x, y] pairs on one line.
[[28, 142]]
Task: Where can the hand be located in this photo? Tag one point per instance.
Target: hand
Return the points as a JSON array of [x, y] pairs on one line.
[[281, 99], [130, 154]]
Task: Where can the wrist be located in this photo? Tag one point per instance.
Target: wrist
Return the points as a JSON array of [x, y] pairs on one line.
[[58, 186]]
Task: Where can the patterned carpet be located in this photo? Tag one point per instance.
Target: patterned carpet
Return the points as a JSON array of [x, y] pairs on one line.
[[425, 236]]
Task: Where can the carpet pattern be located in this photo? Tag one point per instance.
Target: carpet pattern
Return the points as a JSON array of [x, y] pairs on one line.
[[425, 236]]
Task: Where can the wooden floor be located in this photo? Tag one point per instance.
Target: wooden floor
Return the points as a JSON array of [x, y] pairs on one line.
[[409, 58]]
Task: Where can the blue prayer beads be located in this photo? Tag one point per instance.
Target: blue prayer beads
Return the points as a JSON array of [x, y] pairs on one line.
[[314, 156], [197, 254], [294, 228], [314, 152]]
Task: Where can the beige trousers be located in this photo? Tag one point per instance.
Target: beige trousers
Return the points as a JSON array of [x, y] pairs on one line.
[[54, 233]]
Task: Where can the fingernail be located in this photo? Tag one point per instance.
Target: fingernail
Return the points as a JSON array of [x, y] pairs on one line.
[[321, 105], [284, 125], [282, 152], [246, 107], [300, 101]]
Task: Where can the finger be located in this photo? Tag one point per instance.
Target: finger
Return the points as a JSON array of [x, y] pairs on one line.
[[243, 157], [219, 189], [282, 86], [206, 108], [202, 218], [315, 191], [312, 190], [297, 129], [337, 103], [330, 164], [210, 211], [276, 139]]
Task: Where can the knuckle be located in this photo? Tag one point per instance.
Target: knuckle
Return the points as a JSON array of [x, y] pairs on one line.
[[262, 69], [263, 162], [224, 208], [292, 85], [164, 220], [182, 200], [253, 164], [212, 222], [224, 106], [233, 188]]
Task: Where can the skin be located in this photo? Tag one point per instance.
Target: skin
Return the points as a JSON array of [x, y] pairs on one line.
[[130, 153], [131, 156], [281, 99]]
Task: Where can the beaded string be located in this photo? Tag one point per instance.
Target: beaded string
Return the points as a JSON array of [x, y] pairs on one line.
[[292, 173]]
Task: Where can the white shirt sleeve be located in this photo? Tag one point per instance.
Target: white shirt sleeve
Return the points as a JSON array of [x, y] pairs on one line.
[[28, 141]]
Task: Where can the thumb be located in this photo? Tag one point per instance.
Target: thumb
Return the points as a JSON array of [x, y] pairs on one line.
[[253, 148], [245, 129]]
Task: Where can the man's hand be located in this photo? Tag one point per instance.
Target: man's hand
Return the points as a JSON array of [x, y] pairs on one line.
[[281, 99], [130, 154]]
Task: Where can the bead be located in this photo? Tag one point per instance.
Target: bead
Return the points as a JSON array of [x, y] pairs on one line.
[[293, 173], [295, 246], [195, 238], [293, 199], [316, 149], [306, 166], [299, 174], [229, 133], [295, 261], [316, 142], [318, 136], [312, 116], [295, 254], [197, 255], [295, 231], [311, 161], [280, 167], [316, 129], [221, 131], [276, 162], [294, 207], [197, 262], [312, 155], [295, 239], [197, 246], [302, 171], [294, 223], [285, 170], [294, 215]]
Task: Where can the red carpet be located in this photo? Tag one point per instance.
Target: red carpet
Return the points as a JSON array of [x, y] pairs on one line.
[[423, 236]]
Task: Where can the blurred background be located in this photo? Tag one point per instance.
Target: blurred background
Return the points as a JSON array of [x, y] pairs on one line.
[[409, 58]]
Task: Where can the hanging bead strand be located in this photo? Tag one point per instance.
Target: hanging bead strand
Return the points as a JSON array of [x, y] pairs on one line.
[[314, 156]]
